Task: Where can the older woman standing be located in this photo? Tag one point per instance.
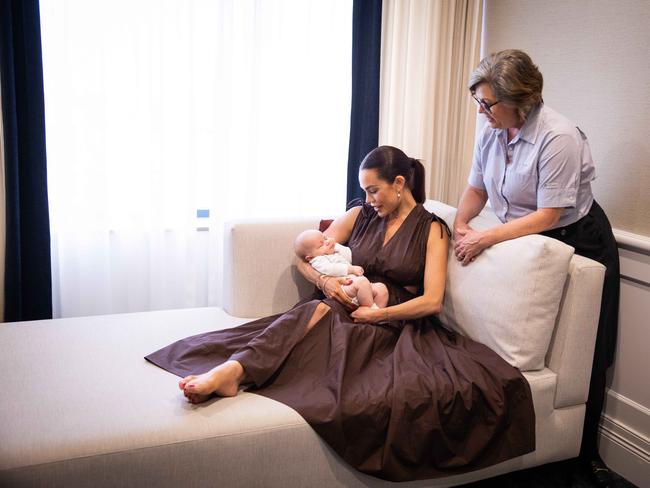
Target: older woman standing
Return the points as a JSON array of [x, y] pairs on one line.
[[535, 167]]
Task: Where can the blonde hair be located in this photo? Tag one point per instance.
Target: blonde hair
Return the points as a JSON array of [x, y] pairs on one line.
[[513, 77]]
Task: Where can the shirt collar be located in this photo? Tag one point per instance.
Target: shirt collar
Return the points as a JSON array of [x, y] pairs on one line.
[[529, 130]]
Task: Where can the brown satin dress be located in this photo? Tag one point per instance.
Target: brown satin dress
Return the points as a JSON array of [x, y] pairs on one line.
[[400, 401]]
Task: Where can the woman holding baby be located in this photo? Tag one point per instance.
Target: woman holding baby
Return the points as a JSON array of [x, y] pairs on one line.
[[390, 389]]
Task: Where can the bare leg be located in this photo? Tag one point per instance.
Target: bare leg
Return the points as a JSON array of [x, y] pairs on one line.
[[350, 290], [361, 289], [380, 294], [321, 309], [224, 380]]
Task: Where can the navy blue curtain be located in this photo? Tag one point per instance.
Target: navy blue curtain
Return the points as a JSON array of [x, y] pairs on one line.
[[364, 118], [28, 280]]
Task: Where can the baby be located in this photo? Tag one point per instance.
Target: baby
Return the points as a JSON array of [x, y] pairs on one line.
[[332, 259]]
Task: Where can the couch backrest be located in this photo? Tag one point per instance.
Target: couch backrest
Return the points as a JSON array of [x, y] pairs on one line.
[[260, 276], [568, 350]]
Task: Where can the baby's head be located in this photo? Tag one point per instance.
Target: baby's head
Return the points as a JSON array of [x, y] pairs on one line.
[[312, 243]]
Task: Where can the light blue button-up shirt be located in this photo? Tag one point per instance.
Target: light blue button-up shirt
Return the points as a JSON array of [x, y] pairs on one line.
[[547, 165]]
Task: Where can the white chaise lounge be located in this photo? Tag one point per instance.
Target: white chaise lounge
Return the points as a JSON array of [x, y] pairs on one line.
[[79, 406]]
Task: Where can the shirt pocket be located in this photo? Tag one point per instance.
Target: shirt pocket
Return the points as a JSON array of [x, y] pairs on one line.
[[524, 165], [520, 188]]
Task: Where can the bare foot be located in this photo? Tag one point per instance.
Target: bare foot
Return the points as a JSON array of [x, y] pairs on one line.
[[223, 381], [192, 397]]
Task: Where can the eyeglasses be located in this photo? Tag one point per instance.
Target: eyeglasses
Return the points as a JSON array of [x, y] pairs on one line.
[[486, 106]]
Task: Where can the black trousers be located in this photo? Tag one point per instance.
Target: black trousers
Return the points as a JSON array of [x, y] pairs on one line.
[[592, 237]]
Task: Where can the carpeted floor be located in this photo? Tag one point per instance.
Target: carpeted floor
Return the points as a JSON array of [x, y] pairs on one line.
[[569, 474]]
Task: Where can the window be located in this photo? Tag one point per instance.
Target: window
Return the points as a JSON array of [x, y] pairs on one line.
[[157, 109]]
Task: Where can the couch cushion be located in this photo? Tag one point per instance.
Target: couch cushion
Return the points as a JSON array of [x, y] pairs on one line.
[[79, 392], [509, 297]]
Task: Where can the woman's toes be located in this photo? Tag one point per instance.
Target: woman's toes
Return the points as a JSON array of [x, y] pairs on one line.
[[195, 398], [222, 381], [184, 381]]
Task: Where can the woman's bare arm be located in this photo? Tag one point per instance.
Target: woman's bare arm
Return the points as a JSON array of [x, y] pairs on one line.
[[470, 205], [430, 302], [341, 228], [470, 243]]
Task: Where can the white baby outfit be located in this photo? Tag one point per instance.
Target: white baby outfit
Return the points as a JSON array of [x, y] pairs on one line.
[[335, 264]]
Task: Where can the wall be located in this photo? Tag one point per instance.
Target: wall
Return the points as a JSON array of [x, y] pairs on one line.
[[594, 58], [625, 425]]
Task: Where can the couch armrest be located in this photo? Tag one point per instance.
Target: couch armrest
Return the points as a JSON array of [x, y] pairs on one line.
[[571, 350], [260, 276]]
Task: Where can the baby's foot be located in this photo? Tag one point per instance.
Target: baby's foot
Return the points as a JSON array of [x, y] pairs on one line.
[[223, 381]]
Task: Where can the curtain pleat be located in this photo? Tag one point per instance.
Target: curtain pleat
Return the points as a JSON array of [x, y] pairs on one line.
[[366, 61], [28, 287], [429, 49]]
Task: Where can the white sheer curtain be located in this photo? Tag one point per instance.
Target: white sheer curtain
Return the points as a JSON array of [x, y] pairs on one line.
[[156, 109], [429, 49]]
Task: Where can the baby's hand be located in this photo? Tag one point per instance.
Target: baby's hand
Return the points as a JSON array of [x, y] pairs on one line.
[[355, 270]]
